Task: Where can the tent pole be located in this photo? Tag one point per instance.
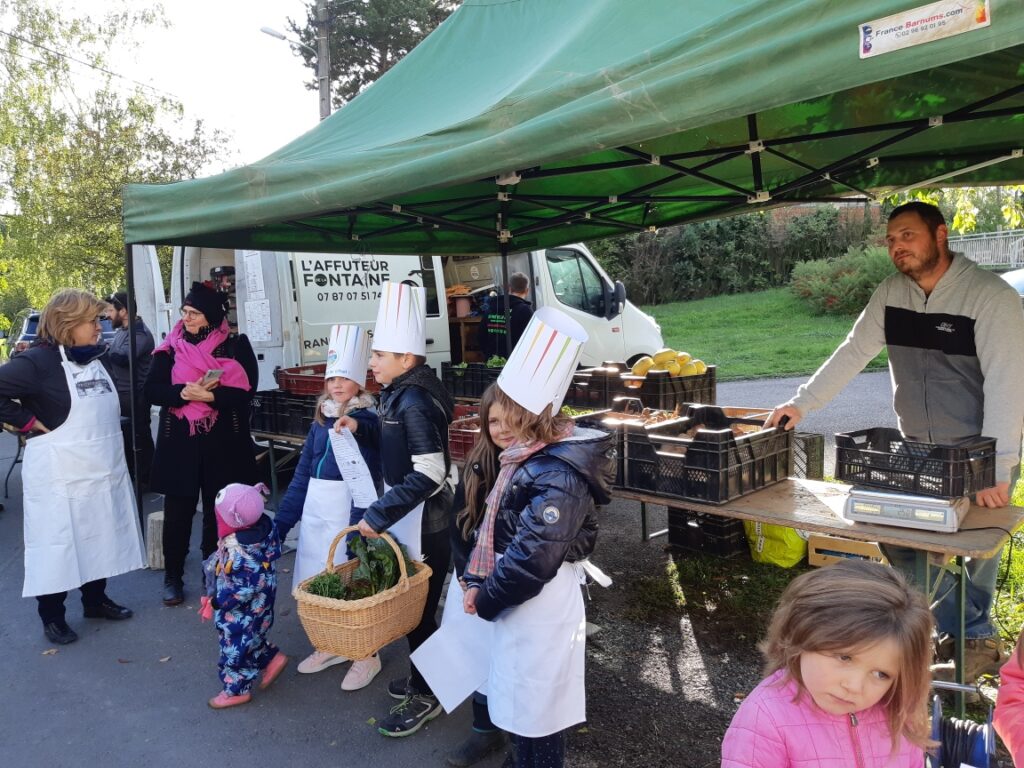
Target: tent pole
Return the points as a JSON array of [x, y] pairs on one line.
[[508, 304], [129, 269]]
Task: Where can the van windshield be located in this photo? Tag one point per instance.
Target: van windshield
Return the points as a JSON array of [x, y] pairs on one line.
[[576, 282]]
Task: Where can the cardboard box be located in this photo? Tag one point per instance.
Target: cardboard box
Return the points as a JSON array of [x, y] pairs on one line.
[[823, 550]]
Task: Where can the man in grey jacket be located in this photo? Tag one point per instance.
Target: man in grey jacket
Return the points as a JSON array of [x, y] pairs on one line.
[[118, 354], [955, 337]]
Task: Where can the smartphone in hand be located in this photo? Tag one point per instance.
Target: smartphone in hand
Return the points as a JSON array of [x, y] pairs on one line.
[[212, 375]]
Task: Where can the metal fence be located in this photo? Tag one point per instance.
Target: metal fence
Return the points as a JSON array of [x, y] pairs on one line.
[[998, 249]]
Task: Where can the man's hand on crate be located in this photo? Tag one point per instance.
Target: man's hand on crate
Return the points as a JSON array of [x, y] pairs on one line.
[[786, 416], [994, 497]]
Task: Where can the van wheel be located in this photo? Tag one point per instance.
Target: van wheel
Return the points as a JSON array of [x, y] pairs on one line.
[[632, 361]]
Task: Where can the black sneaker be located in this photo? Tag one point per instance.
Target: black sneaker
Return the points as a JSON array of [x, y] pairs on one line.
[[399, 689], [410, 715]]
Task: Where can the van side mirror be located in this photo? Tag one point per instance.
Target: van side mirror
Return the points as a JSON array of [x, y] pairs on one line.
[[616, 300]]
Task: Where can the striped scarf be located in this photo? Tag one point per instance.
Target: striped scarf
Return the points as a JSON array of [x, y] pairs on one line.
[[482, 559]]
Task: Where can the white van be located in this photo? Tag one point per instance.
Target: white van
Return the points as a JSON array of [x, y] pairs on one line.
[[570, 279], [286, 303]]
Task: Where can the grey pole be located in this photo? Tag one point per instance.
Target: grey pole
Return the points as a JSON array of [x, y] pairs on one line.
[[323, 58]]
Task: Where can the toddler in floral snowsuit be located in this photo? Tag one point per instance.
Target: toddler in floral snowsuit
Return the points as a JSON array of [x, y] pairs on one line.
[[241, 586]]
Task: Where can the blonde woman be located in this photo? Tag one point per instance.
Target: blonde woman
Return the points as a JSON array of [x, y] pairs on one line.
[[81, 523]]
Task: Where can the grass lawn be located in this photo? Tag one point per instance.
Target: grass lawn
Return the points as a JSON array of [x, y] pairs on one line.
[[754, 335]]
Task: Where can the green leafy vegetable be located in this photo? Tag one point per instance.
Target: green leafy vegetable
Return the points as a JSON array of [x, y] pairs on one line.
[[496, 361]]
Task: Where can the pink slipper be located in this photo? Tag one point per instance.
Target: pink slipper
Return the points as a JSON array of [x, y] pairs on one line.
[[223, 700], [273, 670]]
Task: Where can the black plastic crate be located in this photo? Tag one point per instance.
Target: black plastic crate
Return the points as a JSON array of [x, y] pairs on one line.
[[264, 411], [456, 381], [663, 391], [469, 382], [588, 389], [706, 534], [295, 414], [636, 466], [808, 456], [883, 458], [714, 465]]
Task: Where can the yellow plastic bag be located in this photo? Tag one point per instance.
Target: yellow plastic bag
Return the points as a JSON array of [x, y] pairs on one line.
[[775, 544]]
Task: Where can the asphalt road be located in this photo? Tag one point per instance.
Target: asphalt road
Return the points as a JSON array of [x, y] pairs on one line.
[[134, 693]]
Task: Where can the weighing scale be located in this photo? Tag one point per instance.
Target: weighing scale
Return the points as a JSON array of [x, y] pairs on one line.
[[905, 510]]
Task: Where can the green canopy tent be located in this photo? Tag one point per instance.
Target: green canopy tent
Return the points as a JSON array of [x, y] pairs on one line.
[[524, 124]]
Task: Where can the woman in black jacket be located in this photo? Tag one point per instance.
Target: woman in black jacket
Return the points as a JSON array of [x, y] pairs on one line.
[[203, 377]]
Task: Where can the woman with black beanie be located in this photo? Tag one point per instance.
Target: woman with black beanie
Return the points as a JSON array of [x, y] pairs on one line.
[[203, 377]]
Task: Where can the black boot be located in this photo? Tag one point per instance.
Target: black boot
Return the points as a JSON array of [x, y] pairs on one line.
[[174, 591], [476, 747], [59, 632]]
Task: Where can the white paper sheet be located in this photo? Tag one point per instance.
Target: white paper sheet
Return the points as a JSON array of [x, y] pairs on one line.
[[353, 469], [255, 289], [456, 660], [257, 320]]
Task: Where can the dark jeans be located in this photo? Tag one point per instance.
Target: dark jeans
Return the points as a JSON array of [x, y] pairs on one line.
[[437, 552], [143, 437], [51, 607], [178, 514], [543, 752]]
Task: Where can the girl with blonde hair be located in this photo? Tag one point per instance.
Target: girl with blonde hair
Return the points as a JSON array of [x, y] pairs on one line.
[[317, 494], [847, 680]]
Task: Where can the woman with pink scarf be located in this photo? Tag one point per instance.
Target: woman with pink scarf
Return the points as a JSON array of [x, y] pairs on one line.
[[203, 442]]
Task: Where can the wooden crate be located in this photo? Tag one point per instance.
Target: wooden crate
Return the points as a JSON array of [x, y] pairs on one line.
[[824, 550]]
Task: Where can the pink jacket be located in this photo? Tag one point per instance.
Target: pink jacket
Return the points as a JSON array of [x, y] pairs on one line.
[[1009, 716], [770, 730]]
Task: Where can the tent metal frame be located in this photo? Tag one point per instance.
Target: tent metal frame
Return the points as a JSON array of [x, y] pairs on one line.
[[456, 213]]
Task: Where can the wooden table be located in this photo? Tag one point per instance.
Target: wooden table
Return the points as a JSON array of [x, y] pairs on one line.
[[816, 506]]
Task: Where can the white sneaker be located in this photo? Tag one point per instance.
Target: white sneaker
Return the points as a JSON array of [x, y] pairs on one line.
[[361, 674], [318, 661]]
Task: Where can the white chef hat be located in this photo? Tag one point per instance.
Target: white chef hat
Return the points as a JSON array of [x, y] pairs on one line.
[[401, 319], [541, 366], [348, 353]]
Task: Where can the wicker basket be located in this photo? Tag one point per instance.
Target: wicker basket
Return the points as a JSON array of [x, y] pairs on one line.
[[357, 629]]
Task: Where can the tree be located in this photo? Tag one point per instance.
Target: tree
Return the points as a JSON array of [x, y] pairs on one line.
[[973, 209], [367, 38], [67, 149]]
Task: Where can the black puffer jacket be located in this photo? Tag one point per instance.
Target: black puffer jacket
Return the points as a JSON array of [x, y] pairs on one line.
[[547, 516], [415, 411]]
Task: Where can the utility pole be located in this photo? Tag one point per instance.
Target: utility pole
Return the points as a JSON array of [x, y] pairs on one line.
[[323, 58]]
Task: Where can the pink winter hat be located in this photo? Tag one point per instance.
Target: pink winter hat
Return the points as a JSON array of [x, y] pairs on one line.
[[239, 505]]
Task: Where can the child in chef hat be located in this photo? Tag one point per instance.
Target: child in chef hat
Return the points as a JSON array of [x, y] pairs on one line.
[[318, 494], [419, 478], [524, 573]]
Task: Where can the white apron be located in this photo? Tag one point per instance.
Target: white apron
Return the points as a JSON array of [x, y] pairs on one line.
[[536, 683], [409, 530], [81, 521], [326, 511]]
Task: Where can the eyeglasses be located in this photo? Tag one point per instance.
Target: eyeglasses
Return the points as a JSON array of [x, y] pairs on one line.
[[191, 314], [98, 320]]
